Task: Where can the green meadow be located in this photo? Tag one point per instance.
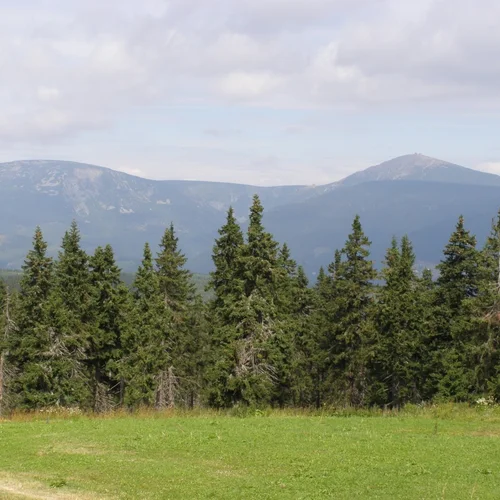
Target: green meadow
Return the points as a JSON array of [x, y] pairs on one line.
[[447, 452]]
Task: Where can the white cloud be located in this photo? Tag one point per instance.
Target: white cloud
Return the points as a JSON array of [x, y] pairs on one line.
[[71, 67], [47, 93], [492, 167], [246, 85], [132, 171]]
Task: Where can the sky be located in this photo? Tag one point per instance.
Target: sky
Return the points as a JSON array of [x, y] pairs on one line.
[[263, 92]]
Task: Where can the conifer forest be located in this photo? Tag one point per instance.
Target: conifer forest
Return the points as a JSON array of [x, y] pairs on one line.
[[74, 335]]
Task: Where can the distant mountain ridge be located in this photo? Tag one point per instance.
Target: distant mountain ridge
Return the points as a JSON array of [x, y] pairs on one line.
[[418, 167], [412, 194]]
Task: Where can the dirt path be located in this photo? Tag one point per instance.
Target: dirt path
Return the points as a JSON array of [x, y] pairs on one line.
[[12, 488], [15, 491]]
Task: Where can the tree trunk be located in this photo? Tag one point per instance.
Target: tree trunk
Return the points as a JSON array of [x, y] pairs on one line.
[[3, 356]]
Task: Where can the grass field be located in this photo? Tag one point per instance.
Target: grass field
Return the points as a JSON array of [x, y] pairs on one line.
[[448, 452]]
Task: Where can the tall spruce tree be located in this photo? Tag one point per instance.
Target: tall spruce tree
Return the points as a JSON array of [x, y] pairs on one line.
[[289, 305], [305, 360], [458, 282], [227, 284], [477, 336], [317, 345], [353, 292], [187, 334], [194, 350], [110, 307], [399, 326], [46, 371], [72, 301], [147, 342], [257, 353], [426, 349], [246, 371], [36, 382]]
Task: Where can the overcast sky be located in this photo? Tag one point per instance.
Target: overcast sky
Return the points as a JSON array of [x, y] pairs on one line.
[[254, 91]]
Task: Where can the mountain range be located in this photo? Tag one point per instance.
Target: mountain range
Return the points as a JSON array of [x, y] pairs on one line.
[[413, 194]]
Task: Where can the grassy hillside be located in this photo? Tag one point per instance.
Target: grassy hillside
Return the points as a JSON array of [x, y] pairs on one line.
[[431, 455]]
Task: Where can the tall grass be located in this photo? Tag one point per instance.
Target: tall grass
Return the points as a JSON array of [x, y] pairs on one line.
[[462, 411]]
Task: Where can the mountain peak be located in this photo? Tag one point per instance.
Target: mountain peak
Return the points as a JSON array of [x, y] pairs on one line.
[[419, 167]]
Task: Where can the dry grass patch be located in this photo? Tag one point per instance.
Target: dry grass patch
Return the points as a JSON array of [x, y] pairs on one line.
[[18, 486]]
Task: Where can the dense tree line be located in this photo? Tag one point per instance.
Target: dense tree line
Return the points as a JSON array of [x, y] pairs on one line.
[[76, 335]]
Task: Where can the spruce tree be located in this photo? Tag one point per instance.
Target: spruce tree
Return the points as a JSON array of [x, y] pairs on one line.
[[48, 364], [289, 298], [186, 311], [110, 309], [175, 281], [72, 303], [398, 322], [31, 350], [194, 357], [247, 366], [458, 282], [260, 332], [305, 364], [147, 342], [227, 284], [316, 345], [477, 336], [224, 280], [353, 276], [458, 271]]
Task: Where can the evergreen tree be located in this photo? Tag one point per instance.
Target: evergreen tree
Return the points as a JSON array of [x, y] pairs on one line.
[[110, 307], [477, 335], [224, 280], [175, 281], [458, 281], [306, 362], [187, 326], [290, 306], [47, 372], [458, 271], [258, 356], [485, 357], [246, 370], [194, 354], [353, 276], [72, 303], [227, 284], [426, 354], [316, 344], [147, 342], [399, 323], [30, 347], [73, 277]]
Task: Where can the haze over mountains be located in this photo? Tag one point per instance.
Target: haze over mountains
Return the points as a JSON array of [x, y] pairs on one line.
[[412, 194]]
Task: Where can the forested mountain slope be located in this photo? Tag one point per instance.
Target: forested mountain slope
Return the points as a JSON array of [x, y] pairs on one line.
[[414, 193]]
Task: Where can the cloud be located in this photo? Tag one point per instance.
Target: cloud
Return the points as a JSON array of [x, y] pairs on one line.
[[248, 85], [221, 133], [47, 93], [73, 67], [492, 167], [132, 171]]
